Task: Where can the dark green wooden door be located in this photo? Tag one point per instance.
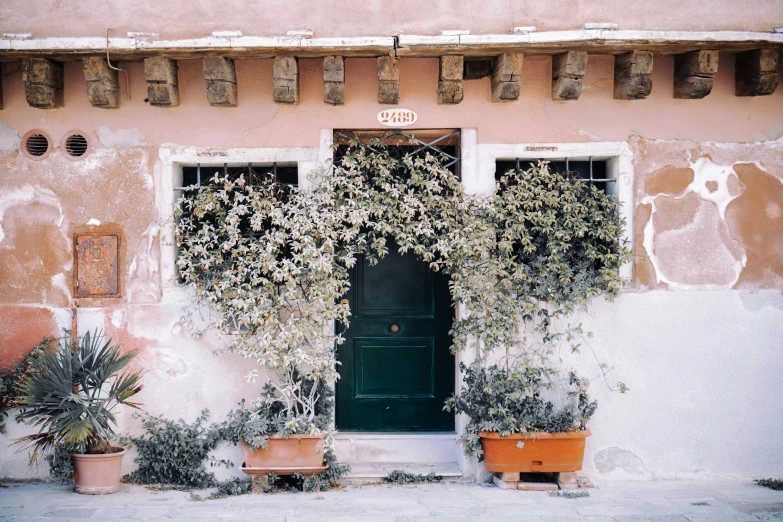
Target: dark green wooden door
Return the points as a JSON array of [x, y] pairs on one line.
[[396, 367]]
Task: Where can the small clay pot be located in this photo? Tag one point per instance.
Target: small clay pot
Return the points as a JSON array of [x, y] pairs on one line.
[[98, 474]]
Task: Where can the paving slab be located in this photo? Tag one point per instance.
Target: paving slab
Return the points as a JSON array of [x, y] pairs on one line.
[[452, 501]]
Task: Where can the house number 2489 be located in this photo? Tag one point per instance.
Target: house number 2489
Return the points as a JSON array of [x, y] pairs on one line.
[[397, 117]]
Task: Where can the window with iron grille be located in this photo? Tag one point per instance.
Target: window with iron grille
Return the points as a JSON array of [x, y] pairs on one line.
[[286, 175], [590, 171], [201, 175]]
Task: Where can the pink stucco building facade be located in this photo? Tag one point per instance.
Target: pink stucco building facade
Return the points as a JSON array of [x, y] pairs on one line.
[[696, 335]]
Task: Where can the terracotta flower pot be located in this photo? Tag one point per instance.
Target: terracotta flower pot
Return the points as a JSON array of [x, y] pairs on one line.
[[534, 452], [297, 451], [98, 474]]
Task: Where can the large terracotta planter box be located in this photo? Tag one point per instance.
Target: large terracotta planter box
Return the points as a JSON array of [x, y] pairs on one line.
[[98, 474], [534, 452], [296, 452]]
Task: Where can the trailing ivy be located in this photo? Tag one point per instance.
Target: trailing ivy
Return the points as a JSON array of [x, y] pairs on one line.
[[569, 494], [175, 452], [232, 487], [11, 379], [274, 261], [771, 483], [404, 477], [60, 460]]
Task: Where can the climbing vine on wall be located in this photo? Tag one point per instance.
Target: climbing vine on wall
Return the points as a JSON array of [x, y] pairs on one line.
[[273, 261]]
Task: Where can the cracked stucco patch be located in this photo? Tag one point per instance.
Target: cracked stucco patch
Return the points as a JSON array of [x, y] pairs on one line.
[[617, 459], [10, 139], [121, 138], [709, 216], [34, 250], [687, 240]]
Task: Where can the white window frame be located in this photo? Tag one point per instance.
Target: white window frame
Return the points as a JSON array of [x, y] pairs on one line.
[[168, 179], [619, 166]]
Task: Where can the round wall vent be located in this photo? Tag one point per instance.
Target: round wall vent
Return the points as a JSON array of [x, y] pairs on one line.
[[36, 144], [75, 145]]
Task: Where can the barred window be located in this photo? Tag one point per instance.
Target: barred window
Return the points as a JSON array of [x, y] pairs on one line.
[[590, 171], [201, 175]]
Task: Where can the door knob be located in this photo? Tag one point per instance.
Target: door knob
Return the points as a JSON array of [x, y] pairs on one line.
[[394, 328], [343, 301]]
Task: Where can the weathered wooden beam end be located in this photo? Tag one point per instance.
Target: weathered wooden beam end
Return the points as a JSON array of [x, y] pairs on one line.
[[334, 80], [755, 72], [388, 80], [506, 77], [221, 78], [285, 80], [103, 88], [450, 88], [694, 74], [567, 72], [43, 83], [632, 72], [160, 73]]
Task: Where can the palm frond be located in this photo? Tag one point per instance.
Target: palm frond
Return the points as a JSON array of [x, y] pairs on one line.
[[71, 397]]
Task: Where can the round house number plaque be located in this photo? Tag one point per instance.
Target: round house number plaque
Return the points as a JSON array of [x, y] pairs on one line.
[[397, 117]]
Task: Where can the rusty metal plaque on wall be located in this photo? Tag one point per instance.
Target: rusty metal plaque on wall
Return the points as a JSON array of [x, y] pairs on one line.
[[97, 266]]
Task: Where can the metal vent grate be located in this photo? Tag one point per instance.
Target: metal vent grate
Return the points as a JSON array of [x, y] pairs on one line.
[[76, 145], [37, 145]]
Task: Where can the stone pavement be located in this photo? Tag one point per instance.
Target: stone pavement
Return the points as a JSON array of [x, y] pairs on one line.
[[453, 501]]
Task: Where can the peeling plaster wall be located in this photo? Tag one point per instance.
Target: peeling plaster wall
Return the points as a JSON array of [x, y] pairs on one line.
[[695, 337], [374, 17], [708, 215]]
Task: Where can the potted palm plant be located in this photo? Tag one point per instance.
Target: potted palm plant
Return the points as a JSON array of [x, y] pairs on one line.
[[71, 396]]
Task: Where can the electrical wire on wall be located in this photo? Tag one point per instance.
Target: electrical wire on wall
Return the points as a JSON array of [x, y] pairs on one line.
[[108, 60]]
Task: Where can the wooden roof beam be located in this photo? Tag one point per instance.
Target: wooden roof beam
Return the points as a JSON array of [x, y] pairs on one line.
[[160, 73], [567, 72], [285, 80], [334, 80], [388, 80], [506, 79], [755, 72], [220, 76], [43, 83], [632, 72], [694, 74], [103, 89], [450, 88]]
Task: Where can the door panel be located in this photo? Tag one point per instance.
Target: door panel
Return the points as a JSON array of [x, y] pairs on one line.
[[396, 379], [409, 295], [394, 368]]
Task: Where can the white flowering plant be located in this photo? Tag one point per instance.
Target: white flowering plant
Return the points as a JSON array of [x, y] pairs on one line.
[[274, 261]]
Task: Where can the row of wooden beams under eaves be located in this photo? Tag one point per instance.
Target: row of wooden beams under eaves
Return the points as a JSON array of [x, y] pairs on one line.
[[694, 74]]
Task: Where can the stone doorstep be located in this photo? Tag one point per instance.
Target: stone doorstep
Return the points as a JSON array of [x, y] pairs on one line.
[[358, 449], [373, 472], [565, 481]]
